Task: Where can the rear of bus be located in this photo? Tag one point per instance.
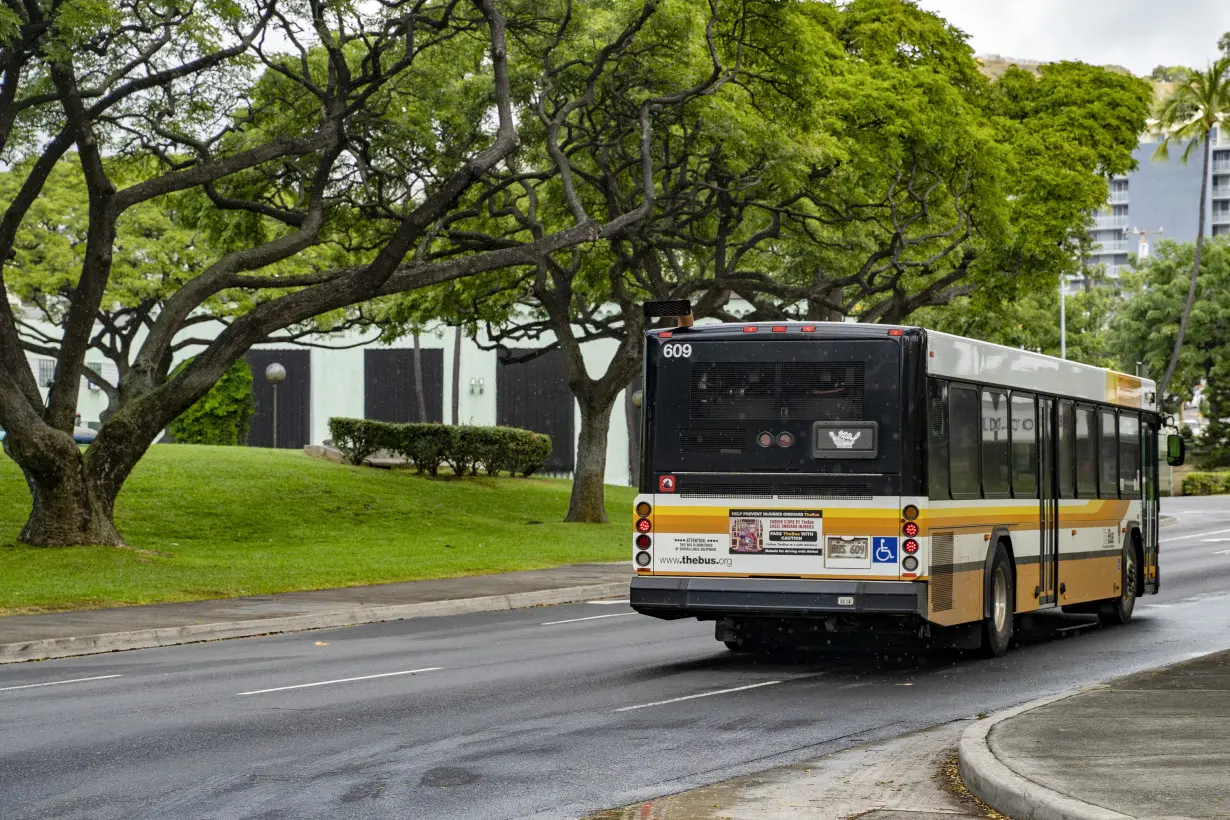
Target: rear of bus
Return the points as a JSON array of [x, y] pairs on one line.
[[781, 479]]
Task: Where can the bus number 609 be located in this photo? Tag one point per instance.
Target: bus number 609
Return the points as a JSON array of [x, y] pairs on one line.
[[677, 351]]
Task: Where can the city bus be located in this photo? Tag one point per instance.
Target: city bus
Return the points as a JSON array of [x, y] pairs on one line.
[[801, 480]]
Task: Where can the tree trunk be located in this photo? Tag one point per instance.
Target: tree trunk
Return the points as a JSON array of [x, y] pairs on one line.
[[587, 504], [70, 506], [457, 376], [420, 393], [1191, 288]]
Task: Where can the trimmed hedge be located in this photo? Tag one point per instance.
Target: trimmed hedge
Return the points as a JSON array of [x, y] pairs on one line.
[[1206, 484], [428, 446]]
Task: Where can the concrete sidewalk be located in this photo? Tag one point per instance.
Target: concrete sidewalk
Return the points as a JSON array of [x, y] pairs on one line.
[[64, 634], [1152, 745]]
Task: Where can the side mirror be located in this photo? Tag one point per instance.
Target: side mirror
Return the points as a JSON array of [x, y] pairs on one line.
[[1176, 450]]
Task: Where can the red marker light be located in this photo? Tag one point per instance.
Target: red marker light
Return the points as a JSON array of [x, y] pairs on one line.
[[749, 328], [910, 529], [644, 526], [765, 439], [896, 332], [779, 328], [666, 334], [784, 439], [910, 546], [809, 328]]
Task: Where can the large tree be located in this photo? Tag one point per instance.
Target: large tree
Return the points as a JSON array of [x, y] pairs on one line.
[[858, 165], [361, 133], [1188, 115]]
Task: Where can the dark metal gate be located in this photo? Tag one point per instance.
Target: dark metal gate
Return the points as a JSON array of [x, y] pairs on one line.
[[388, 385], [294, 399], [534, 395]]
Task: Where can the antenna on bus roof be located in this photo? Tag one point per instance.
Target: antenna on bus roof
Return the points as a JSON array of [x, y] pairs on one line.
[[681, 309]]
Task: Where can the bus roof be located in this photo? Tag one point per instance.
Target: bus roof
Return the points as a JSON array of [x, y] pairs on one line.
[[971, 360], [957, 357]]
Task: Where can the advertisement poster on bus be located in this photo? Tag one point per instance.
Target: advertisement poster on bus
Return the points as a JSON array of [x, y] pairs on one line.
[[775, 532]]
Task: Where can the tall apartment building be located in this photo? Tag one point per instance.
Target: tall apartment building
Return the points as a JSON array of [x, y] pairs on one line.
[[1159, 199]]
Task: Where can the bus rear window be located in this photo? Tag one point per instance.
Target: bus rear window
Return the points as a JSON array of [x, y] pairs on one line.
[[761, 406]]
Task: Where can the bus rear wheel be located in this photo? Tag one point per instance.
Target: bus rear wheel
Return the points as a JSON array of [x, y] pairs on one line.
[[1118, 611], [997, 627]]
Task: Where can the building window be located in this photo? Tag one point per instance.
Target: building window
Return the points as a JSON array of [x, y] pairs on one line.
[[1108, 462], [1129, 456], [1066, 462], [995, 455], [963, 441], [1024, 446], [937, 445], [46, 372], [1086, 454]]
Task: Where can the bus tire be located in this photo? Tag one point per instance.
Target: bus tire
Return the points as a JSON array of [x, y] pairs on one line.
[[997, 627], [1118, 611]]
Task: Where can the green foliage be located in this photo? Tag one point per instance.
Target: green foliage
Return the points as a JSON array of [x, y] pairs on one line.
[[1032, 321], [465, 449], [358, 439], [1169, 73], [1194, 108], [154, 254], [223, 415], [1145, 328], [1206, 483]]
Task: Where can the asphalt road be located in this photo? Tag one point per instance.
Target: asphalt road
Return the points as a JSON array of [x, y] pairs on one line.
[[549, 712]]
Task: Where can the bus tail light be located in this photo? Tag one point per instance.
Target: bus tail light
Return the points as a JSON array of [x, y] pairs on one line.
[[909, 564], [643, 509], [909, 512], [910, 546], [643, 559], [643, 525], [643, 541], [910, 529]]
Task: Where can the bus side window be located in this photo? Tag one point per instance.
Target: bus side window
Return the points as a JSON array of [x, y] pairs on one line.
[[995, 462], [1129, 455], [1024, 446], [1086, 454], [1108, 452], [937, 441], [1067, 450], [963, 435]]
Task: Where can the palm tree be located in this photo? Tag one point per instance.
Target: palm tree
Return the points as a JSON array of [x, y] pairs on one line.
[[1188, 115]]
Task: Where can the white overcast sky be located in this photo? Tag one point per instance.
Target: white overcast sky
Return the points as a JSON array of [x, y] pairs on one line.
[[1136, 34]]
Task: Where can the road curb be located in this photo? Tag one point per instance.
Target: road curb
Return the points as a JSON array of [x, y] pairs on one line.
[[1007, 792], [51, 648]]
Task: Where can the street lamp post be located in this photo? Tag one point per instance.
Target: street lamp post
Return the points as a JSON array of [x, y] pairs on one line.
[[1063, 316], [275, 374]]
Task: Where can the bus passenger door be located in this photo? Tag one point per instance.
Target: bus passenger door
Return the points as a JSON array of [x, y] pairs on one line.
[[1049, 503], [1150, 501]]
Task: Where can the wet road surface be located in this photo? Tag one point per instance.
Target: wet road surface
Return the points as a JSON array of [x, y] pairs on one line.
[[549, 712]]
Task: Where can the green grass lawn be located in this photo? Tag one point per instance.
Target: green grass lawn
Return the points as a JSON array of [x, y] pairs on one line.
[[215, 522]]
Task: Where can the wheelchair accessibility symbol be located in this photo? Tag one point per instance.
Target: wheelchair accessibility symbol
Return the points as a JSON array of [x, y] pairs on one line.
[[884, 550]]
